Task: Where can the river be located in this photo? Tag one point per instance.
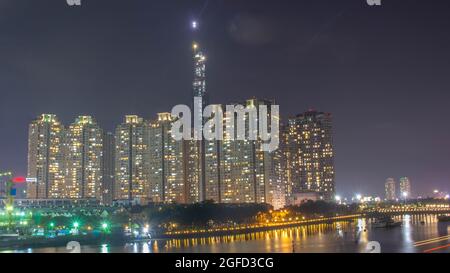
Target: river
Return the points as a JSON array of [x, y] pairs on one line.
[[419, 233]]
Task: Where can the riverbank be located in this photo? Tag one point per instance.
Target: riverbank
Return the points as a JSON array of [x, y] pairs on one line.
[[184, 234], [22, 242], [118, 239]]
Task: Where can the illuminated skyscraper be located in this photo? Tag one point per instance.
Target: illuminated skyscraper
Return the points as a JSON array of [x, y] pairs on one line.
[[199, 83], [192, 170], [46, 158], [199, 91], [239, 171], [405, 188], [212, 167], [390, 189], [287, 160], [167, 179], [194, 151], [84, 155], [258, 177], [310, 154], [132, 160], [174, 165]]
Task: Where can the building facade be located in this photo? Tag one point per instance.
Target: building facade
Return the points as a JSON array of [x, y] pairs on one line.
[[46, 158], [109, 142], [239, 171], [308, 149], [84, 156], [405, 188], [390, 189], [131, 160], [167, 177]]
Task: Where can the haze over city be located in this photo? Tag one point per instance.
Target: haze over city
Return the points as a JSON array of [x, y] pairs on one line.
[[381, 71]]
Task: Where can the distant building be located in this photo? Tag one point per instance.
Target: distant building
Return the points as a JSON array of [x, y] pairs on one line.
[[84, 155], [46, 158], [309, 155], [131, 160], [390, 189], [405, 188]]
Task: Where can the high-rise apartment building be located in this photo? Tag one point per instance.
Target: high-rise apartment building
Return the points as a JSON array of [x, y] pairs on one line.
[[131, 160], [46, 158], [192, 170], [405, 188], [390, 189], [167, 178], [239, 171], [212, 167], [174, 165], [309, 153], [287, 160], [84, 159]]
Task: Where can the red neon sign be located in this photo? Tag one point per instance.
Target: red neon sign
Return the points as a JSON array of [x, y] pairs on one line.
[[19, 179]]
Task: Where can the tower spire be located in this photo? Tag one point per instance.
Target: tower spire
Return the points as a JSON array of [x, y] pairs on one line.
[[199, 91]]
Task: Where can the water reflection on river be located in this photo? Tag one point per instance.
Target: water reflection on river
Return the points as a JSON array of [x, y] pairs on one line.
[[348, 236]]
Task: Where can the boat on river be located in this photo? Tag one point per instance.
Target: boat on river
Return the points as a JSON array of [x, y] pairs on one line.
[[386, 222], [444, 218]]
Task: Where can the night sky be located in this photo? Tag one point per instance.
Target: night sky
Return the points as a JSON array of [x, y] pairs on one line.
[[383, 72]]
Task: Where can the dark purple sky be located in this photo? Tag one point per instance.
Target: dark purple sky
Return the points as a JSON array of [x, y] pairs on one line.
[[384, 72]]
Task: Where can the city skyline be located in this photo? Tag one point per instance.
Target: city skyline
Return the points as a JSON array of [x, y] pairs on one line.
[[386, 144]]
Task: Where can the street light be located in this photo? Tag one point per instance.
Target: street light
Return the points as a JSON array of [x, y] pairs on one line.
[[337, 198], [76, 225], [404, 194]]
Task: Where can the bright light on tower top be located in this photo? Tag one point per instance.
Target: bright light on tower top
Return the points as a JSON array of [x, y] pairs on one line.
[[194, 24]]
